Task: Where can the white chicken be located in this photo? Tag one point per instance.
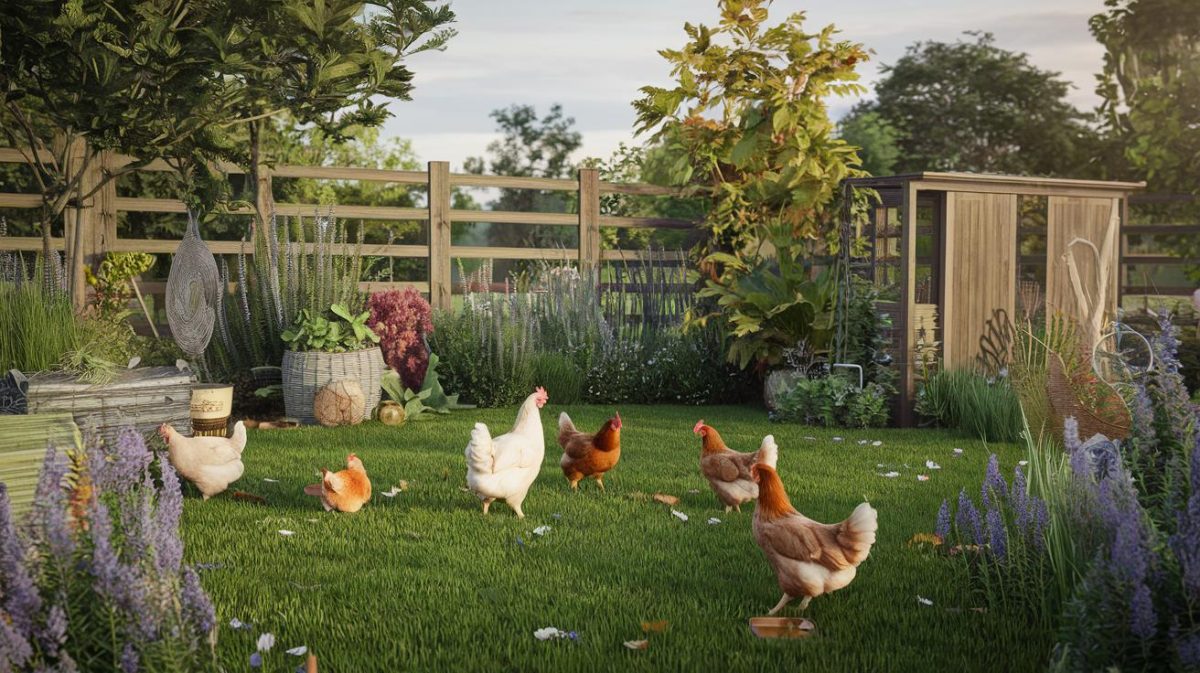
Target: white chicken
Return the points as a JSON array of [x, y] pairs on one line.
[[503, 468], [211, 463]]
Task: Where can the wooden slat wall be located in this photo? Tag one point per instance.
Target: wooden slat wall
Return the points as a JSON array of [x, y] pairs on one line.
[[1070, 218], [979, 267]]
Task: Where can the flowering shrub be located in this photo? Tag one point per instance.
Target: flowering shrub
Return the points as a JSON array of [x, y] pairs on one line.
[[402, 318], [95, 581]]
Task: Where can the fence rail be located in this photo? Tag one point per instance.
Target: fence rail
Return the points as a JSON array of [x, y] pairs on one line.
[[1156, 258], [97, 217]]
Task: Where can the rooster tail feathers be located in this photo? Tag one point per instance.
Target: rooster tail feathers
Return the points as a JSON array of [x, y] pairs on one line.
[[480, 451], [768, 452], [858, 533], [238, 440], [313, 490], [565, 424]]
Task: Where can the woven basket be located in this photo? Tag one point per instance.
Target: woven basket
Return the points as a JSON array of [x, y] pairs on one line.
[[304, 373], [1064, 403]]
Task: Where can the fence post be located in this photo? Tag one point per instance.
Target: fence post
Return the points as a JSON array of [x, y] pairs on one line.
[[77, 220], [589, 218], [439, 235]]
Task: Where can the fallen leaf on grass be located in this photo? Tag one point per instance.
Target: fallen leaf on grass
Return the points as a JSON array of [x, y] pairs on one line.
[[924, 601], [1022, 463], [298, 651], [637, 644], [679, 515], [932, 465], [541, 530], [464, 489], [714, 521], [809, 438], [249, 497], [665, 499], [922, 477], [656, 626], [925, 538], [286, 533]]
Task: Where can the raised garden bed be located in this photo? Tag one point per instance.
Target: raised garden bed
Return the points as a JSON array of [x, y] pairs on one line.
[[144, 398]]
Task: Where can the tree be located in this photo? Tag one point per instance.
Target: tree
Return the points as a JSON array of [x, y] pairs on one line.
[[972, 106], [1150, 85], [876, 139], [79, 78], [529, 147]]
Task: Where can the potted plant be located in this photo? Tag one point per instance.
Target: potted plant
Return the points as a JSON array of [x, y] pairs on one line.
[[326, 348]]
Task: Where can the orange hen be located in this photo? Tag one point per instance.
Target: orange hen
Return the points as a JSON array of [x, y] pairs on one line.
[[728, 471], [589, 455], [346, 491], [809, 558]]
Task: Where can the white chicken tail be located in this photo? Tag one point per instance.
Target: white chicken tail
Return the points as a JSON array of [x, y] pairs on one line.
[[857, 533], [238, 440], [481, 453], [768, 452]]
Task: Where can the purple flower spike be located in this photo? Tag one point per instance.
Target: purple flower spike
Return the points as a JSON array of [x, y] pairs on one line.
[[994, 487], [20, 597], [997, 535], [942, 530], [1143, 621], [967, 520]]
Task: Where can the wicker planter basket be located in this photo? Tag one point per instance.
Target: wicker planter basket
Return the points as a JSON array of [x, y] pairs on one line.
[[1115, 421], [304, 373]]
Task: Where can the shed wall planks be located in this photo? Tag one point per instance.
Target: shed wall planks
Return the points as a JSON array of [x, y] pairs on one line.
[[979, 269], [1087, 218]]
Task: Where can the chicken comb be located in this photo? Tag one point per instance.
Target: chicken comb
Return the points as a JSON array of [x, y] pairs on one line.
[[699, 426]]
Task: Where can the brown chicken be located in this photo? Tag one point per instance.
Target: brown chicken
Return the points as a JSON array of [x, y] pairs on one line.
[[727, 471], [588, 455], [809, 558], [345, 491]]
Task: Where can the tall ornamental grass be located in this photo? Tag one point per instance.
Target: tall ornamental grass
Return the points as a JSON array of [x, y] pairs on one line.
[[986, 407]]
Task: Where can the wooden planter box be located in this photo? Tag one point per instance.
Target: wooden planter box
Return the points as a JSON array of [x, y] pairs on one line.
[[23, 441], [304, 373], [143, 398]]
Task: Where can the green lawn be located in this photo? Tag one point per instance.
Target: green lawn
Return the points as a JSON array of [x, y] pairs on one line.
[[425, 582]]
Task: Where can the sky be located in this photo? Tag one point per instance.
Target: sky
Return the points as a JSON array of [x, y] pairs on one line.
[[593, 55]]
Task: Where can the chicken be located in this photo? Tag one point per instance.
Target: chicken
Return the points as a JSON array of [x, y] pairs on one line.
[[588, 455], [809, 558], [211, 463], [347, 490], [727, 471], [504, 468]]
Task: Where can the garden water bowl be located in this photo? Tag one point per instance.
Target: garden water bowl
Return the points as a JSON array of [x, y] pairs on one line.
[[781, 627]]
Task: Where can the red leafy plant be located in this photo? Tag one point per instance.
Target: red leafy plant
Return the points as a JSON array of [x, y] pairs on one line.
[[402, 318]]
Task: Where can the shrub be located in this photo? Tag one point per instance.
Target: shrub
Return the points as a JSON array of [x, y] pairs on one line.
[[561, 377], [833, 401], [402, 319], [94, 580], [36, 327], [487, 350], [986, 407]]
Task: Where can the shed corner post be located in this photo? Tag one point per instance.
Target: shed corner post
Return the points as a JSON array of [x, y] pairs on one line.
[[439, 235]]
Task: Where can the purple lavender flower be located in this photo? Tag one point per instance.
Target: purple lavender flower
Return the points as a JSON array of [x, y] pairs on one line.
[[994, 487], [129, 659], [15, 650], [1041, 521], [967, 519], [53, 634], [1188, 648], [1186, 540], [119, 467], [197, 606], [50, 506], [942, 530], [997, 535], [1070, 434], [166, 518], [1018, 499], [1143, 622], [20, 596]]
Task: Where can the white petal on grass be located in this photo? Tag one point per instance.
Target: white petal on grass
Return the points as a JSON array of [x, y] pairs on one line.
[[932, 465], [877, 443], [924, 601], [890, 475], [837, 439], [957, 452], [238, 625], [1022, 463], [298, 651], [547, 633], [541, 530], [922, 477], [286, 533], [270, 480], [863, 442], [679, 515], [265, 642], [395, 491], [714, 521]]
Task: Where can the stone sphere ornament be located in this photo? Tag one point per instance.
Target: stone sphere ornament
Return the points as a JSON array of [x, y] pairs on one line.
[[341, 402]]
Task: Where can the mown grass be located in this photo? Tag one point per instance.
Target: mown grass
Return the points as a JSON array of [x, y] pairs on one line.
[[424, 582]]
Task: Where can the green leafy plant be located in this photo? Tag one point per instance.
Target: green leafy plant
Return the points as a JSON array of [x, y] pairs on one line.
[[343, 333], [110, 283], [833, 401], [986, 407], [430, 399]]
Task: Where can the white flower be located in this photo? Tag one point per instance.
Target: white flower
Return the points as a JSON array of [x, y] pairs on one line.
[[298, 651], [541, 530], [714, 521], [924, 601], [877, 443], [239, 625], [286, 533], [891, 474], [547, 633], [679, 515], [265, 642], [932, 465]]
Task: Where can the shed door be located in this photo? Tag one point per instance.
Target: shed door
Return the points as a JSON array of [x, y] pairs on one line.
[[980, 270], [1092, 219]]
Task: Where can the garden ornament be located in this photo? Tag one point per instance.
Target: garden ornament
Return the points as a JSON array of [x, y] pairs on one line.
[[193, 292]]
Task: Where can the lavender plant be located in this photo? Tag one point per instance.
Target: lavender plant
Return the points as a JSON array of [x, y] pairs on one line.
[[94, 578]]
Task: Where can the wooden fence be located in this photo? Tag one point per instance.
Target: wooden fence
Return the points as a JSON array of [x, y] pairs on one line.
[[98, 217], [1130, 284]]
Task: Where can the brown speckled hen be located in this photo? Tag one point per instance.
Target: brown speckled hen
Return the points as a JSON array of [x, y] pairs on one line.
[[586, 454]]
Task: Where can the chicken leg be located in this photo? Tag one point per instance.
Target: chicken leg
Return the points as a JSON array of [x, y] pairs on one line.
[[516, 506], [782, 602], [600, 482], [487, 502]]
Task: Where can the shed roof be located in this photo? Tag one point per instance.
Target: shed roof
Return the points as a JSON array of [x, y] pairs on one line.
[[997, 182]]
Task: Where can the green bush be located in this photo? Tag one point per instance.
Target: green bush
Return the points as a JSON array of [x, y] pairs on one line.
[[833, 401], [985, 407], [486, 358], [561, 377], [36, 327]]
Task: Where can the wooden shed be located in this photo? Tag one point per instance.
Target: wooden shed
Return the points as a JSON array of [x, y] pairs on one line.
[[952, 249]]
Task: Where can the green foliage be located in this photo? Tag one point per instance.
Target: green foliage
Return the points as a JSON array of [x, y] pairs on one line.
[[747, 120], [985, 407], [486, 351], [343, 332], [37, 327], [560, 375], [769, 303], [88, 364], [412, 402], [972, 106], [833, 401], [110, 284], [877, 140]]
